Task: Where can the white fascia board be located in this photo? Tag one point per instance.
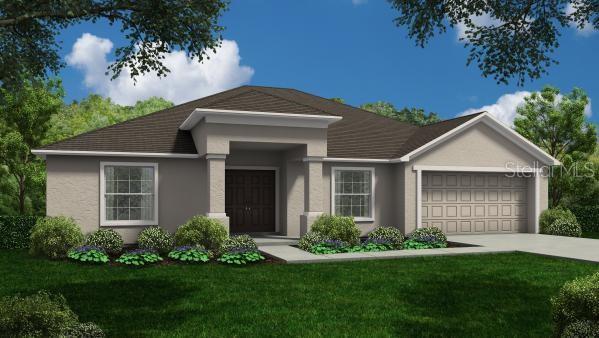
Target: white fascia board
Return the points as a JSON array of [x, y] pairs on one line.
[[43, 153], [257, 118], [355, 160], [496, 125], [475, 169]]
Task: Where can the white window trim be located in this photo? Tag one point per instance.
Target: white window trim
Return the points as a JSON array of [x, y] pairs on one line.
[[103, 221], [372, 192]]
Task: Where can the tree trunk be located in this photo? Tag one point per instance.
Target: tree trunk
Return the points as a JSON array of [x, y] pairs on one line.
[[21, 182]]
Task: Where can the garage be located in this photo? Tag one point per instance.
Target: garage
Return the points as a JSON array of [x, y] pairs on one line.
[[470, 203]]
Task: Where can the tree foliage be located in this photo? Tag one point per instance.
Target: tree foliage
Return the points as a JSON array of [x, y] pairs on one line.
[[24, 121], [557, 124], [29, 28], [415, 116], [515, 41]]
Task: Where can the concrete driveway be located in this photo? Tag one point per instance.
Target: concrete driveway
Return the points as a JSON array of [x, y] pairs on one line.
[[568, 247]]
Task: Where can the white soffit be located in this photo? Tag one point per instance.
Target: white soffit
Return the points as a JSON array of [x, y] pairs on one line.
[[257, 118]]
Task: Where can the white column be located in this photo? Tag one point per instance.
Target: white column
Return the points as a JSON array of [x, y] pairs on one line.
[[313, 193], [537, 201], [215, 183], [418, 199]]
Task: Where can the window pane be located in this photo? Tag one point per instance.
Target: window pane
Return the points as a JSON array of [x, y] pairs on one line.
[[110, 201], [122, 173], [122, 201], [123, 214], [355, 211], [110, 187], [135, 214], [110, 214], [135, 201], [135, 173], [135, 187], [147, 187], [147, 213], [147, 174], [122, 187], [109, 173]]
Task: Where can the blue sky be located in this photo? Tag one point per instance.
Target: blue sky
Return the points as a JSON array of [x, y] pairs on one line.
[[331, 48]]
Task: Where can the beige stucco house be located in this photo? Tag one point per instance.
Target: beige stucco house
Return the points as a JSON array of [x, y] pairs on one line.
[[271, 160]]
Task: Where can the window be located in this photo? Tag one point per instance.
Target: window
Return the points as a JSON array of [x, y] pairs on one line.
[[129, 193], [353, 192]]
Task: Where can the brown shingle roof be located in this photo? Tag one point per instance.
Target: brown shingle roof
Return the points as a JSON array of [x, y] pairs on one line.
[[360, 134]]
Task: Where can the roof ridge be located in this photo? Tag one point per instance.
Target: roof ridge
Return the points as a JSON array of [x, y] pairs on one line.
[[455, 118], [291, 100]]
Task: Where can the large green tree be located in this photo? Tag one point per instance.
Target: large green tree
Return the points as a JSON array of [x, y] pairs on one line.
[[557, 124], [506, 39], [29, 30], [24, 121], [416, 116]]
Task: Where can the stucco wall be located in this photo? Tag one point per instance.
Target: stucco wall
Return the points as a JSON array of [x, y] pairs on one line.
[[478, 146], [73, 189]]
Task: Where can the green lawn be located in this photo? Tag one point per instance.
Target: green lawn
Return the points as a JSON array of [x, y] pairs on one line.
[[479, 295], [590, 235]]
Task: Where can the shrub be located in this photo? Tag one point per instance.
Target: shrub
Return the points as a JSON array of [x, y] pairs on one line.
[[551, 215], [107, 239], [582, 329], [310, 239], [84, 330], [411, 244], [239, 242], [190, 254], [88, 254], [588, 217], [577, 300], [390, 234], [139, 257], [432, 236], [155, 238], [564, 227], [337, 227], [15, 231], [241, 256], [201, 230], [375, 244], [54, 236], [329, 246], [38, 315]]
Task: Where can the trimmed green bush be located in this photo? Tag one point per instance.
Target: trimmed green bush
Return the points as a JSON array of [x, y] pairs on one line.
[[239, 242], [15, 231], [139, 257], [310, 239], [190, 254], [551, 215], [588, 217], [564, 227], [204, 231], [432, 236], [107, 239], [155, 238], [582, 329], [338, 228], [88, 254], [54, 236], [84, 330], [38, 315], [577, 301], [389, 234]]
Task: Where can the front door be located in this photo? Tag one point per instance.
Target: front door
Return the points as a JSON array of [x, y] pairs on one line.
[[250, 200]]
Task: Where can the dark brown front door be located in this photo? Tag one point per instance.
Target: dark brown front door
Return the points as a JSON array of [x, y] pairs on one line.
[[250, 200]]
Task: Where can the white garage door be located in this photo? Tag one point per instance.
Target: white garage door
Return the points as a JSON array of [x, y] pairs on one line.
[[474, 202]]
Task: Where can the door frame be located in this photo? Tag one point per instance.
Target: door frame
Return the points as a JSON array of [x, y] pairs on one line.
[[269, 168]]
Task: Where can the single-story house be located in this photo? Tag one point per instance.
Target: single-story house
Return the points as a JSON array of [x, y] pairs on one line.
[[271, 160]]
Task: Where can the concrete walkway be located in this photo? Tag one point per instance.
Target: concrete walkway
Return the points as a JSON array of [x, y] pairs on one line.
[[584, 249]]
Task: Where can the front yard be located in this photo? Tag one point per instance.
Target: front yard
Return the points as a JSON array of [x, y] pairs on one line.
[[486, 295]]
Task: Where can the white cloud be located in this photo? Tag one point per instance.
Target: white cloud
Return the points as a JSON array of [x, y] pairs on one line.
[[187, 80], [358, 2], [478, 20], [588, 28], [505, 107]]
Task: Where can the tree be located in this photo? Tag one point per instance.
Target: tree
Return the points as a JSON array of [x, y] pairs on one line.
[[28, 31], [24, 121], [415, 116], [95, 112], [558, 125], [506, 39]]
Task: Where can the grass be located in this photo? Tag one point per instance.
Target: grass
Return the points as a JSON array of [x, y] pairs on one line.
[[594, 235], [477, 295]]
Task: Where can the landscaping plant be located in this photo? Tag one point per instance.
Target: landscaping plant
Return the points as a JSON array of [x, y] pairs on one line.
[[329, 246], [310, 239], [107, 239], [54, 236], [42, 315], [155, 239], [564, 227], [390, 234], [88, 254], [201, 230], [587, 217], [241, 256], [576, 307], [15, 231], [139, 257], [190, 254], [549, 216], [411, 244], [239, 241], [337, 228], [425, 238], [374, 245]]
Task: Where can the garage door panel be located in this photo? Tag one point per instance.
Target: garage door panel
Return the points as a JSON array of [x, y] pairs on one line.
[[474, 203]]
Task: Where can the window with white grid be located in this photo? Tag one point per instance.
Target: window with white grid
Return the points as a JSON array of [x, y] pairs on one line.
[[353, 192], [129, 194]]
